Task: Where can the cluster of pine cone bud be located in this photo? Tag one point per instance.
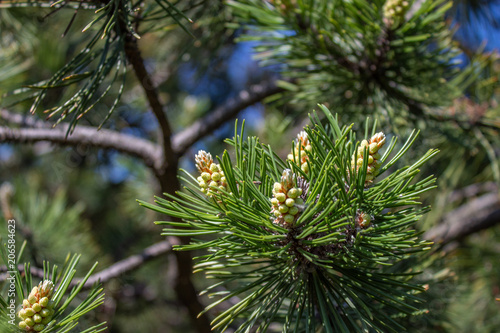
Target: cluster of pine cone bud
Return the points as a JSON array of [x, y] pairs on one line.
[[37, 309], [286, 200], [211, 173], [302, 149], [394, 12], [374, 144]]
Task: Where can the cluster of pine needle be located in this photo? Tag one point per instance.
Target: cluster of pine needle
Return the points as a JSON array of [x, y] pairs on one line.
[[307, 247]]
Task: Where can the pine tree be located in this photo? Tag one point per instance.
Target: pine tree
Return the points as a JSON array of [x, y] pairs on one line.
[[326, 234]]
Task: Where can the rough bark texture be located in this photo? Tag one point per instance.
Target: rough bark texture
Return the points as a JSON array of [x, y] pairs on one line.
[[475, 215]]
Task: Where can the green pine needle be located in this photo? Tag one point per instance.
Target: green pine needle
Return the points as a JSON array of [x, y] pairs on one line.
[[332, 264]]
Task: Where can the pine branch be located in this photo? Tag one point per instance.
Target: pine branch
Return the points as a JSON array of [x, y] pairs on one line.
[[35, 271], [210, 122], [134, 57], [117, 269], [87, 135], [472, 191], [476, 215], [131, 263]]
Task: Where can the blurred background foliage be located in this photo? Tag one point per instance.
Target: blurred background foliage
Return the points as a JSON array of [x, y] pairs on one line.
[[80, 199]]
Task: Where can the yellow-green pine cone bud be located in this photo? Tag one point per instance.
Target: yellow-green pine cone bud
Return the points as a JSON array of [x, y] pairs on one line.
[[29, 321], [369, 177], [299, 201], [293, 210], [293, 193], [281, 197], [36, 307], [22, 314], [205, 176], [305, 167], [46, 320], [22, 325], [214, 167], [394, 11], [277, 213], [212, 183], [274, 202], [308, 148], [26, 303], [32, 299], [277, 187], [216, 176], [283, 209], [38, 327], [289, 202], [289, 218], [223, 180], [37, 318], [203, 184], [45, 313], [290, 157], [29, 312], [373, 148]]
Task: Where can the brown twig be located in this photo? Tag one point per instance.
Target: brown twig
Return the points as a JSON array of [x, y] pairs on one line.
[[131, 263], [117, 269], [35, 271], [133, 55], [213, 120], [472, 190], [475, 215]]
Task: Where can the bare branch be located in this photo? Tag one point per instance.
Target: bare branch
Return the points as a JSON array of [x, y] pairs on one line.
[[180, 142], [131, 263], [472, 191], [117, 269], [35, 271], [206, 125], [477, 214], [86, 135]]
